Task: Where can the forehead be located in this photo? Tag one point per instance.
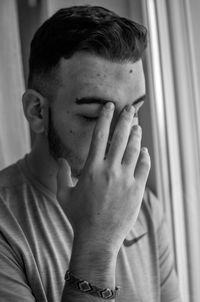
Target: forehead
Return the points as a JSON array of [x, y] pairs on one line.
[[90, 74]]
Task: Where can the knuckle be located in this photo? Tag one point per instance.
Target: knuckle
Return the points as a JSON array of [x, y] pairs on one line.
[[111, 174], [128, 156], [100, 135], [118, 137], [135, 149]]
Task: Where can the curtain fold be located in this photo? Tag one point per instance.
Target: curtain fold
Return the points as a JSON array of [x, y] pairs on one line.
[[175, 110], [187, 92], [14, 130]]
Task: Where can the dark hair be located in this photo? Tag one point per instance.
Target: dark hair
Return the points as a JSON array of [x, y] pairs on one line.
[[93, 29]]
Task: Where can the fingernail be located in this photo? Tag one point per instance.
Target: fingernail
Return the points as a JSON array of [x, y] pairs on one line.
[[130, 108], [109, 105], [137, 128], [145, 150]]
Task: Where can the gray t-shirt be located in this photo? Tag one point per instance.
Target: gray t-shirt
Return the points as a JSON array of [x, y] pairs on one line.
[[36, 240]]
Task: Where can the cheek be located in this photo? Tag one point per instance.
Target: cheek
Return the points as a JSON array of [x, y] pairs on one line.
[[80, 139], [82, 135], [73, 131]]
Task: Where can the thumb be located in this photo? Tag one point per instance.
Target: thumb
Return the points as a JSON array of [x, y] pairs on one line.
[[64, 181]]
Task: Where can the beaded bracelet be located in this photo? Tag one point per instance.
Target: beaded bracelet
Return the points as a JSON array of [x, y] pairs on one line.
[[88, 288]]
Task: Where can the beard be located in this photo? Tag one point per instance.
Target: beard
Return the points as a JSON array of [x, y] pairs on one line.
[[58, 149]]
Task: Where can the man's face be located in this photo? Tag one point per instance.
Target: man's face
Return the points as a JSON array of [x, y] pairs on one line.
[[88, 82]]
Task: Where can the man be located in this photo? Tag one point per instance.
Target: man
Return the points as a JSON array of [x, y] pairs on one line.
[[76, 221]]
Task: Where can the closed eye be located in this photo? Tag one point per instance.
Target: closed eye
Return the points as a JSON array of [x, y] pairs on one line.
[[89, 118]]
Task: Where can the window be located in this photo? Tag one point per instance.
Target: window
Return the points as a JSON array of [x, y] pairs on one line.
[[174, 102]]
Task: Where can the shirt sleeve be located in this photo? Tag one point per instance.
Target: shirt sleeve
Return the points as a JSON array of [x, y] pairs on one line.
[[13, 284], [168, 277]]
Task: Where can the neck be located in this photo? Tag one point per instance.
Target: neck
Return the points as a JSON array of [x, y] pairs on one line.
[[43, 166]]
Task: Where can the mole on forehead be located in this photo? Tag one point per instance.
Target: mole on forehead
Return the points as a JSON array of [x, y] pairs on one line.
[[84, 73]]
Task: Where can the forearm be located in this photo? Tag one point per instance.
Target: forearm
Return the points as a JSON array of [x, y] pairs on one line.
[[94, 264]]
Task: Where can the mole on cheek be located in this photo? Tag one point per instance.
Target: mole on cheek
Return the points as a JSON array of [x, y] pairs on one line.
[[130, 71], [71, 131]]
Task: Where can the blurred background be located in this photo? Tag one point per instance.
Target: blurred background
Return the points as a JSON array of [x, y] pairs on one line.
[[170, 117]]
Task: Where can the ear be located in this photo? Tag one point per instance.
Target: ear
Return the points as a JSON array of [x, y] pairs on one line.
[[35, 109]]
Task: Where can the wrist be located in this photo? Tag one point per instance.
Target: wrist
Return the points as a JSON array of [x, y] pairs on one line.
[[93, 263], [97, 243]]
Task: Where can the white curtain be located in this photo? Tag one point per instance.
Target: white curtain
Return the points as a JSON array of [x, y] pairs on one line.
[[14, 132], [173, 76]]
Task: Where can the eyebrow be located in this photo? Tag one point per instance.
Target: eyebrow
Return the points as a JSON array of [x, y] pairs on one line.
[[97, 100]]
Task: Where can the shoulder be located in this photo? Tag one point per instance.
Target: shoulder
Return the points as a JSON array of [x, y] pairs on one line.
[[11, 206], [12, 186], [11, 176]]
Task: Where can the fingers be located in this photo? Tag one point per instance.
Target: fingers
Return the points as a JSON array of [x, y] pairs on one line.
[[143, 167], [125, 144], [121, 136], [64, 181], [132, 151], [100, 135]]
